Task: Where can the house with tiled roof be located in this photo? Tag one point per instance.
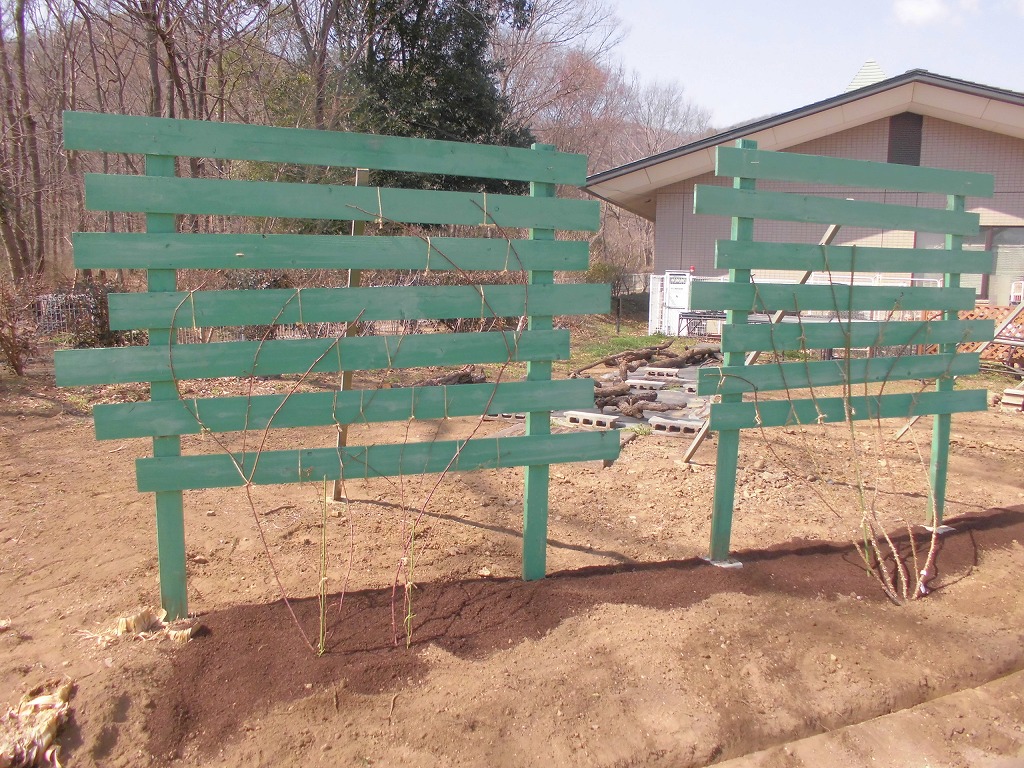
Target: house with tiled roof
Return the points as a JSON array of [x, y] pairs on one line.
[[917, 118]]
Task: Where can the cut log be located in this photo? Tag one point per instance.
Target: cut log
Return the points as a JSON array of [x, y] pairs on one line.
[[648, 397], [613, 390], [465, 375], [624, 358], [692, 356], [636, 410]]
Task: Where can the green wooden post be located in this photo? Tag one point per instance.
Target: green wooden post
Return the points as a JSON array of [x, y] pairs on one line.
[[943, 421], [536, 477], [729, 440], [170, 509], [355, 277]]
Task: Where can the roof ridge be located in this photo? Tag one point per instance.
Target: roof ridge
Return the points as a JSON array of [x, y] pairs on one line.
[[762, 123]]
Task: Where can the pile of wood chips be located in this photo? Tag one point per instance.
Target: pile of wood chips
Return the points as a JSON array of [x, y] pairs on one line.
[[28, 731]]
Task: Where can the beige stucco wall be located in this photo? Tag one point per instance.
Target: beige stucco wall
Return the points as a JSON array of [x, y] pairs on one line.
[[962, 148]]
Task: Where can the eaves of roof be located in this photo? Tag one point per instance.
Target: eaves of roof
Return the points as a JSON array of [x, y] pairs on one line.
[[632, 186]]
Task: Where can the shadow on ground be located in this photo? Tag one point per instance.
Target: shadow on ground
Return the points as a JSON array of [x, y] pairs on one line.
[[250, 657]]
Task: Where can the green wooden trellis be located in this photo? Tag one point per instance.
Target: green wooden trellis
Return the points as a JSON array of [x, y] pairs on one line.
[[161, 250], [740, 297]]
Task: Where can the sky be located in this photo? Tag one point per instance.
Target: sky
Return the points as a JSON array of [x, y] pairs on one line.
[[747, 59]]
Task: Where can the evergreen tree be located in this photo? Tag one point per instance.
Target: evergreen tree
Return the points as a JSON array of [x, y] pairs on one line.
[[427, 74]]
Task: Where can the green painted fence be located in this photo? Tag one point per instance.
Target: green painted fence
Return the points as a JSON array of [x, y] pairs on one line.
[[741, 297], [162, 251]]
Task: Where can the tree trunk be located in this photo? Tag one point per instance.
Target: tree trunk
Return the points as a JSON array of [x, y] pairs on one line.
[[14, 230], [28, 128], [152, 21]]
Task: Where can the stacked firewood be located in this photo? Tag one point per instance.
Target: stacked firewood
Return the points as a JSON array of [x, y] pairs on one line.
[[629, 403], [620, 394]]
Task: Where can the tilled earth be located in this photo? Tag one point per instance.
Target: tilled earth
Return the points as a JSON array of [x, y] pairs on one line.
[[633, 652]]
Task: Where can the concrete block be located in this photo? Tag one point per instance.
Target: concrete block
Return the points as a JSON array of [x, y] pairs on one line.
[[644, 384], [505, 417], [1013, 400], [661, 373], [680, 427], [590, 419]]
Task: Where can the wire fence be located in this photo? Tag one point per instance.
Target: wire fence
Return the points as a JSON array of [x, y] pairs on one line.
[[58, 313]]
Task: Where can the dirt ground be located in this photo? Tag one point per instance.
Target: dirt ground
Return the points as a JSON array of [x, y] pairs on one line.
[[633, 651]]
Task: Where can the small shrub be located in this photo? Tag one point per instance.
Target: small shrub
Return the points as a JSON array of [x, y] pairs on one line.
[[88, 318], [606, 272], [17, 327]]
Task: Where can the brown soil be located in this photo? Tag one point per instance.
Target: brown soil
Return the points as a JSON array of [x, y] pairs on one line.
[[633, 651]]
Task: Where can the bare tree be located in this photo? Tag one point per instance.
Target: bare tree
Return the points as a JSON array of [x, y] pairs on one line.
[[660, 117], [293, 63], [21, 181], [549, 59], [314, 23], [613, 118]]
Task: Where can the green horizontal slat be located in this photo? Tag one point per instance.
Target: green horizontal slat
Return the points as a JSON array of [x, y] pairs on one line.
[[837, 334], [84, 367], [147, 194], [781, 413], [771, 297], [835, 171], [140, 250], [274, 467], [338, 305], [783, 206], [227, 141], [840, 259], [801, 375], [317, 409]]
